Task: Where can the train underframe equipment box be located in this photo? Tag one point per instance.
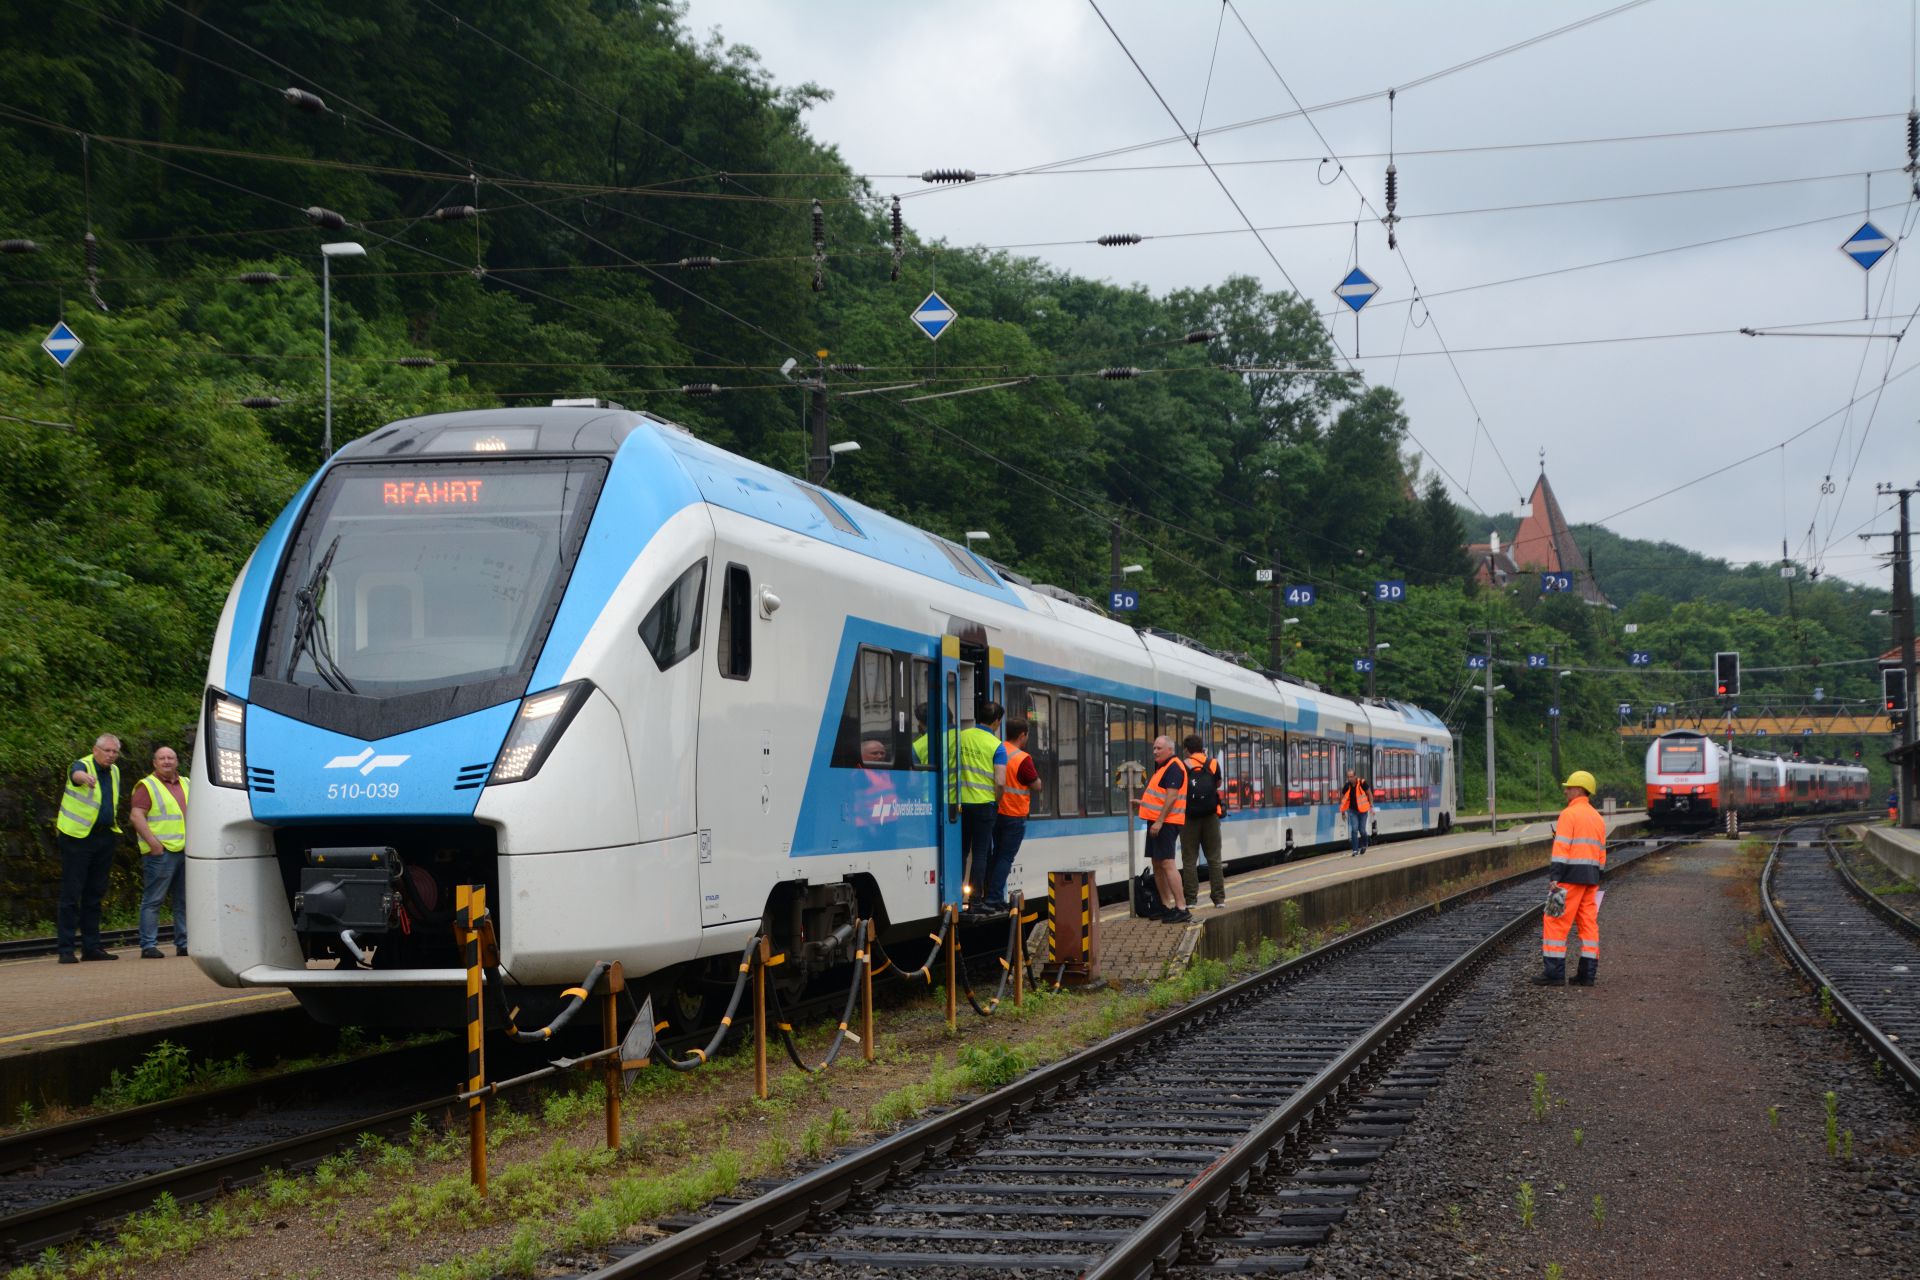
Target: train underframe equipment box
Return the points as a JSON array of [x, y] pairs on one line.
[[1073, 926]]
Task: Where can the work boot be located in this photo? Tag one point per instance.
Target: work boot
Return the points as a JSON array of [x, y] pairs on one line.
[[1588, 971], [67, 957], [152, 953], [1554, 972], [98, 953]]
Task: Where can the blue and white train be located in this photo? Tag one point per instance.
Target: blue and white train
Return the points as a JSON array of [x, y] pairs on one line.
[[652, 694]]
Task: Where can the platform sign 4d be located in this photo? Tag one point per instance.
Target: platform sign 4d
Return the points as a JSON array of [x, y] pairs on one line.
[[1299, 593]]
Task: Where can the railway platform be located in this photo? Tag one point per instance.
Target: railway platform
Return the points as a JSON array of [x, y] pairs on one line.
[[1324, 889], [1897, 847]]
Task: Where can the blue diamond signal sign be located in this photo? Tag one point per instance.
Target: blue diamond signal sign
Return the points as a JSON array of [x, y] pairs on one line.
[[62, 343], [933, 315], [1357, 289], [1867, 246]]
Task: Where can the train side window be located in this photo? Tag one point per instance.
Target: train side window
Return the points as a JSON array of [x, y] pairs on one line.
[[1040, 744], [1095, 737], [921, 713], [868, 737], [1270, 769], [1066, 751], [671, 629], [736, 624], [1140, 742], [1117, 755]]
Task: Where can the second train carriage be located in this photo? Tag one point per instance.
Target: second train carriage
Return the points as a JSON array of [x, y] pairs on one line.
[[652, 694]]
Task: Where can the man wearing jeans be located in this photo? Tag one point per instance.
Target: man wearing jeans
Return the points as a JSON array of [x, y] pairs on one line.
[[160, 818], [1356, 803]]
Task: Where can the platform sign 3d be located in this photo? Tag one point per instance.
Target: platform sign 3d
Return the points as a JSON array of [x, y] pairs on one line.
[[1390, 589], [1662, 708], [1300, 593]]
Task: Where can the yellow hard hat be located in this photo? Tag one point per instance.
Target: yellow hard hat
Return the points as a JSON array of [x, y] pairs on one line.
[[1582, 779]]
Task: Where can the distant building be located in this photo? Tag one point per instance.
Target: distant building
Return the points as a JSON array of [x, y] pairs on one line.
[[1543, 544]]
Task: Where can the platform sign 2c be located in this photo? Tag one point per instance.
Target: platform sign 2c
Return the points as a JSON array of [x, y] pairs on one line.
[[1556, 582], [1640, 658], [1390, 589], [1299, 593], [1123, 601]]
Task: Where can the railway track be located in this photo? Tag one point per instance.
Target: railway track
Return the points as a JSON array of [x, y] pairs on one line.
[[1148, 1148], [1849, 944]]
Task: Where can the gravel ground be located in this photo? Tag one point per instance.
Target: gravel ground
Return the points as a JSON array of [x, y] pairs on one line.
[[1658, 1085]]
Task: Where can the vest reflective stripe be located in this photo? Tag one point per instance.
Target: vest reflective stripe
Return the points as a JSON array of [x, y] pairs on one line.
[[80, 806], [1016, 801], [167, 818], [974, 768], [1159, 804], [1359, 799]]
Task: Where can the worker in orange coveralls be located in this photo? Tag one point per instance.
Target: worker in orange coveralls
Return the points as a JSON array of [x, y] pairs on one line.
[[1573, 901]]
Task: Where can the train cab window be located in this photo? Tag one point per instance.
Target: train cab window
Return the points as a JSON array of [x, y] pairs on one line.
[[1682, 757], [671, 629], [1095, 738], [736, 624], [1066, 766]]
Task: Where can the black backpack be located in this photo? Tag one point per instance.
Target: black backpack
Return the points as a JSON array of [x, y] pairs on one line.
[[1203, 789]]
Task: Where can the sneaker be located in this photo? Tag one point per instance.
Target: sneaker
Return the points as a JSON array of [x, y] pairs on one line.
[[1182, 916], [67, 957], [179, 951], [1218, 903], [98, 953], [152, 953]]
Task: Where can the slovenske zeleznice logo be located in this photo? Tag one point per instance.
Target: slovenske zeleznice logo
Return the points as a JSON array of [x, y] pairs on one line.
[[366, 762]]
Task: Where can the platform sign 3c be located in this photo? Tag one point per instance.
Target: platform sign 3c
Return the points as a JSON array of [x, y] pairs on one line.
[[1536, 662]]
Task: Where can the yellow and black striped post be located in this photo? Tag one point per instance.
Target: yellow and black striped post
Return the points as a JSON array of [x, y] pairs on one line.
[[1086, 923], [866, 996], [470, 905], [953, 966], [616, 981], [1019, 952]]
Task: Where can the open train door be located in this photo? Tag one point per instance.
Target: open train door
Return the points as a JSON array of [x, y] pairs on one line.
[[1424, 785], [952, 710]]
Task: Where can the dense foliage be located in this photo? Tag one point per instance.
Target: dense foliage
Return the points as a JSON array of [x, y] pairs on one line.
[[607, 144]]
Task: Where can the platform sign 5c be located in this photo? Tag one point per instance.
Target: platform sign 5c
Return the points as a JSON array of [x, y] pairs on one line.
[[1390, 589], [1123, 601], [1363, 664], [1299, 593], [1556, 582]]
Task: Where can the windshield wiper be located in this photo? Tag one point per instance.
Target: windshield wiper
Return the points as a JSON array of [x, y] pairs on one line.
[[308, 622]]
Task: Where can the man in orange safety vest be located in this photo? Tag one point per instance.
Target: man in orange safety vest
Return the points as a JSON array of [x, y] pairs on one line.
[[1573, 898]]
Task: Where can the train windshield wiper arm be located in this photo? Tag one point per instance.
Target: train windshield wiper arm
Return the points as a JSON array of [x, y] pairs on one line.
[[308, 601]]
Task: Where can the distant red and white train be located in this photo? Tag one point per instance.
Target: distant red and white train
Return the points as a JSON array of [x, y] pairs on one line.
[[1692, 781]]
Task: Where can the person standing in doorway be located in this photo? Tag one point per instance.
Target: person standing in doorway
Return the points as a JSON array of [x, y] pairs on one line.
[[1163, 807], [1019, 780], [159, 813], [1201, 833], [979, 770], [85, 832], [1356, 802], [1573, 895]]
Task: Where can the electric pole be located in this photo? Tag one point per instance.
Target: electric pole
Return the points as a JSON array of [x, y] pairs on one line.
[[820, 460], [1373, 653], [1276, 658], [1486, 683], [1553, 652], [1902, 611], [1117, 577]]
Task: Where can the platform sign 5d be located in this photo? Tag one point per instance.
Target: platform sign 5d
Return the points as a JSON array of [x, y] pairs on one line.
[[1123, 601]]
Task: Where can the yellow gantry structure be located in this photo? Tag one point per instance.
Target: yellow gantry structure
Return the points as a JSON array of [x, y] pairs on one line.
[[1811, 722]]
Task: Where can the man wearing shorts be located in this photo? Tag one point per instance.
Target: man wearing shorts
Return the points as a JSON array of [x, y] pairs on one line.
[[1163, 807]]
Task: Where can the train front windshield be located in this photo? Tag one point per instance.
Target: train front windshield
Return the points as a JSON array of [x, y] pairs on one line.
[[1683, 757], [418, 576]]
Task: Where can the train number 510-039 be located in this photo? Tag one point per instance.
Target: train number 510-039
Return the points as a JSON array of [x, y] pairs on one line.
[[363, 791]]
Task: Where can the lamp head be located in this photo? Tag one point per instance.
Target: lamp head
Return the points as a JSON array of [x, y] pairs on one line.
[[344, 249]]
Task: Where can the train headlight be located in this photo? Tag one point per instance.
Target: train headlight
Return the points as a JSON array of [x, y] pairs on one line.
[[543, 718], [227, 731]]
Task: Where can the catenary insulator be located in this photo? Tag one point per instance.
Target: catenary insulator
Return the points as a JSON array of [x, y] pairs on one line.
[[90, 244], [1127, 237], [947, 175], [261, 402], [701, 388], [1199, 336], [19, 246], [700, 262], [1913, 137], [259, 277], [455, 213], [325, 218], [846, 368], [1393, 187], [415, 362], [1119, 372], [308, 102], [819, 227], [819, 283], [898, 225]]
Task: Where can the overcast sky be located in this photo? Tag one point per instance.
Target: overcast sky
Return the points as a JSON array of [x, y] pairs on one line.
[[1000, 85]]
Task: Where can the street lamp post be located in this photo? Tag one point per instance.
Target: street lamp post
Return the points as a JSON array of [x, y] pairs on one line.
[[328, 252], [1279, 646]]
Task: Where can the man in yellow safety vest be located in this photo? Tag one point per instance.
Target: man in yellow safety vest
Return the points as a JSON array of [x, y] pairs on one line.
[[84, 830], [160, 818]]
